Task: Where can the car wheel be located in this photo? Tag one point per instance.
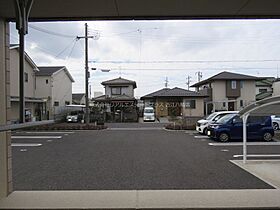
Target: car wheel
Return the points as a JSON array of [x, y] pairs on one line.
[[205, 131], [275, 126], [224, 137], [267, 136]]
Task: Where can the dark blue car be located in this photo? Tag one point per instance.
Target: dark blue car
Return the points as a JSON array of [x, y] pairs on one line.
[[231, 127]]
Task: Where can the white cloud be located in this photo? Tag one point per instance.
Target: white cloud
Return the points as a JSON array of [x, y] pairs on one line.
[[157, 41]]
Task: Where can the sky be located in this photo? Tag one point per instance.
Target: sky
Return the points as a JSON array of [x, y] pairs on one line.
[[149, 52]]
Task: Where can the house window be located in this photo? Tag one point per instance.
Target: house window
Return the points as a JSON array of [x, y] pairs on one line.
[[116, 90], [262, 90], [233, 84], [190, 104], [56, 103], [241, 103], [224, 104], [25, 77], [47, 81], [67, 102]]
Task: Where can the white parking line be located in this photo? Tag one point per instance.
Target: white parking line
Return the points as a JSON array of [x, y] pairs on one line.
[[49, 132], [201, 137], [256, 155], [25, 145], [36, 137], [134, 129], [248, 143]]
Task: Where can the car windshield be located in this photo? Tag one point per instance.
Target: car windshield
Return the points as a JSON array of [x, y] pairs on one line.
[[211, 116], [225, 118], [149, 111]]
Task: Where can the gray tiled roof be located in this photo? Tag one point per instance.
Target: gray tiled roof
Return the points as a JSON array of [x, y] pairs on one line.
[[48, 70], [174, 92], [119, 81], [226, 76]]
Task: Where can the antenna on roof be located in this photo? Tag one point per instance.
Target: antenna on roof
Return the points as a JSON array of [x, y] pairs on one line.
[[199, 75], [277, 76], [188, 81], [166, 82]]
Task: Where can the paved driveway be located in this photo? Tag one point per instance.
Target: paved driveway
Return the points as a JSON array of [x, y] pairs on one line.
[[128, 160]]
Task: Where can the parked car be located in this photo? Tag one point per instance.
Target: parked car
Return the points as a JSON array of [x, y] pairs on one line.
[[149, 114], [75, 116], [230, 127], [201, 125], [275, 122]]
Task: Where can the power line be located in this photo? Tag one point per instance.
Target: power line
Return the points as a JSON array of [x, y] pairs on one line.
[[195, 68], [50, 32], [62, 51], [187, 61]]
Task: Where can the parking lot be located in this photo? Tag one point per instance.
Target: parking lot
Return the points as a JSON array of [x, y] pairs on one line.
[[128, 158]]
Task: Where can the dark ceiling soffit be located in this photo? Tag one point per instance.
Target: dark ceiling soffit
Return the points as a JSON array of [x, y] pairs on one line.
[[128, 18]]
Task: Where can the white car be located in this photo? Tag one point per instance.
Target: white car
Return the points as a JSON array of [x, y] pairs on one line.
[[275, 122], [201, 125], [149, 114]]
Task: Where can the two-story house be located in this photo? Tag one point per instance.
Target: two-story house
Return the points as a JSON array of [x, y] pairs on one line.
[[227, 91], [54, 84], [34, 105], [119, 101]]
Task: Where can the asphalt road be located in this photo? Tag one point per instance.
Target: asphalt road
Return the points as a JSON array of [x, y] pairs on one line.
[[129, 160]]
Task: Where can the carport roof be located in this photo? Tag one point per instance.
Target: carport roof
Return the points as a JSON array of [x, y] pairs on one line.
[[145, 9], [267, 106]]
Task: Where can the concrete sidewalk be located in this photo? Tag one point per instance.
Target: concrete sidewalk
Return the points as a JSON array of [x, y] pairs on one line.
[[266, 170], [154, 199]]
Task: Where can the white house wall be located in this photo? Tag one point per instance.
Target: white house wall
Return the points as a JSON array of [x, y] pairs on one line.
[[276, 88], [29, 87], [247, 93], [61, 88], [43, 90]]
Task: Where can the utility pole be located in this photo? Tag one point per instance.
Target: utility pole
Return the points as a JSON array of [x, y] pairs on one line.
[[166, 82], [86, 37], [188, 81], [199, 75]]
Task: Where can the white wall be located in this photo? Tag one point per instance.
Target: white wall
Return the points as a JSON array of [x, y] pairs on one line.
[[61, 88], [247, 94], [29, 87], [43, 90], [276, 88]]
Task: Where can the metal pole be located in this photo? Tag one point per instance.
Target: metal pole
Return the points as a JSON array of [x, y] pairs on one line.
[[86, 72], [21, 77], [244, 118]]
